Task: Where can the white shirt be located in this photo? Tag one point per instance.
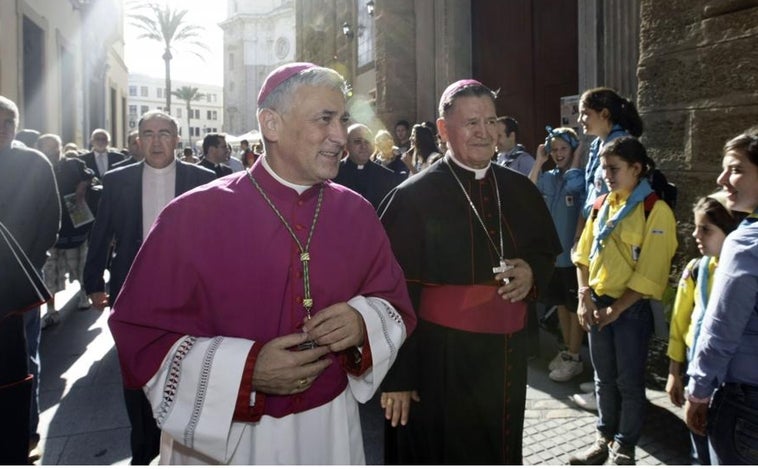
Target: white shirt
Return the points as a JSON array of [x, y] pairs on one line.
[[158, 189], [101, 159]]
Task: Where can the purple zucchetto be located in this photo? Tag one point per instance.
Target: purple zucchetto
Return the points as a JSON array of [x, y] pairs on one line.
[[279, 75], [454, 88]]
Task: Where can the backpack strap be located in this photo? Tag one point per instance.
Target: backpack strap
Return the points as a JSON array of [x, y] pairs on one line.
[[597, 204], [650, 201]]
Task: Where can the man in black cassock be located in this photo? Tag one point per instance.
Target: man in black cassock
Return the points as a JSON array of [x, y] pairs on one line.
[[371, 180], [30, 215], [476, 242]]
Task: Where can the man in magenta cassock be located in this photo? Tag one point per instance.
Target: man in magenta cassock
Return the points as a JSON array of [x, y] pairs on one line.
[[260, 355]]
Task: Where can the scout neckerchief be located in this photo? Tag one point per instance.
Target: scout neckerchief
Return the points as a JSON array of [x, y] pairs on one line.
[[704, 275], [637, 196]]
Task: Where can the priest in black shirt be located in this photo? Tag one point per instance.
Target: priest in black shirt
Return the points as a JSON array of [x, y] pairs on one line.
[[476, 242], [357, 172]]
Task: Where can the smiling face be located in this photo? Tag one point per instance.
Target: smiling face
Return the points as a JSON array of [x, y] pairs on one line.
[[470, 130], [619, 175], [709, 237], [307, 141], [739, 179], [560, 151], [594, 122]]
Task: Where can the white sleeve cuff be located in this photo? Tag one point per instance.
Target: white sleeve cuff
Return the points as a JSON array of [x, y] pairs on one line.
[[194, 393], [385, 331]]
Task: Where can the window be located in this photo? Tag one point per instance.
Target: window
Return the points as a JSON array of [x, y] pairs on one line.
[[132, 90], [365, 34], [133, 109], [197, 114], [179, 112], [143, 109], [159, 92], [231, 60], [197, 131], [143, 91]]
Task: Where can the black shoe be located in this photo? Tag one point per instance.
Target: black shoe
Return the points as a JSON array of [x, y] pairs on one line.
[[622, 455], [595, 455]]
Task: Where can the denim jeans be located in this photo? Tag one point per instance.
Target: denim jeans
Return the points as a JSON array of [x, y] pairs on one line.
[[33, 327], [619, 353], [733, 425]]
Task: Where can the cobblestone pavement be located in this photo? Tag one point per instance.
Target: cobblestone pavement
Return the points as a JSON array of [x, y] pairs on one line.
[[83, 419], [555, 427]]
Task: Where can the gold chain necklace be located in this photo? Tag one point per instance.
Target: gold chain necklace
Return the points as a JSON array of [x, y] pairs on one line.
[[305, 255]]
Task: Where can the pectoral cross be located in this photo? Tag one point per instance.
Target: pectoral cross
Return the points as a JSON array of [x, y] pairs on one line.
[[502, 268]]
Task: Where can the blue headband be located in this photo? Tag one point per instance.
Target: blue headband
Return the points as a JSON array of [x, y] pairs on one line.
[[563, 135]]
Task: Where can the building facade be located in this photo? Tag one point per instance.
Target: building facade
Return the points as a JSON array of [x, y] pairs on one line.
[[259, 35], [698, 87], [204, 115], [62, 62], [689, 65]]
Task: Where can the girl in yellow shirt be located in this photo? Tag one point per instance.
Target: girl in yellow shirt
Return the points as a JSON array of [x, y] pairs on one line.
[[713, 222], [623, 259]]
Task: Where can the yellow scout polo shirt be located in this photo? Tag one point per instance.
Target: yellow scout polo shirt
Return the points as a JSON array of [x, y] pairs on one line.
[[637, 254]]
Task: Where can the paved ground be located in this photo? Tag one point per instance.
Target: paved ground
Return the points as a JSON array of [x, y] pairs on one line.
[[83, 419]]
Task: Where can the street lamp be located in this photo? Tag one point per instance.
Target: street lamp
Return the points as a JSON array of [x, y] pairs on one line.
[[370, 7]]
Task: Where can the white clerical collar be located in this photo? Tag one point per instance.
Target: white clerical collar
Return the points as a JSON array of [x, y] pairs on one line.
[[160, 171], [478, 173], [296, 187]]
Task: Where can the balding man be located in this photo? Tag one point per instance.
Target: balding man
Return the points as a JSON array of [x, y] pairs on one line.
[[357, 172], [102, 158]]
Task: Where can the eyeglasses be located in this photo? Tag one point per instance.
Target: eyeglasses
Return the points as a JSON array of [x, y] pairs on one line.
[[163, 135]]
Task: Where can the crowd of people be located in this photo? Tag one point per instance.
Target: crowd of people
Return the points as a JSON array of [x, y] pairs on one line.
[[407, 266]]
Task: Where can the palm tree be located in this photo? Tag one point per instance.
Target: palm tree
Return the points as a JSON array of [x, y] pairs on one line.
[[188, 94], [166, 25]]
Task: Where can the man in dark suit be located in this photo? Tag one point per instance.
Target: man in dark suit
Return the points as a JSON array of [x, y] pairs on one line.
[[132, 198], [101, 159], [134, 155], [214, 154], [357, 172]]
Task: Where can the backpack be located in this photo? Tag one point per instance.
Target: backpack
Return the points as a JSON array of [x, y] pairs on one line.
[[665, 190]]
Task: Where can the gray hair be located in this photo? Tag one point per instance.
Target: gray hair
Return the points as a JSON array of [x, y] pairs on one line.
[[44, 137], [280, 99], [357, 126], [100, 131], [7, 104], [157, 114]]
